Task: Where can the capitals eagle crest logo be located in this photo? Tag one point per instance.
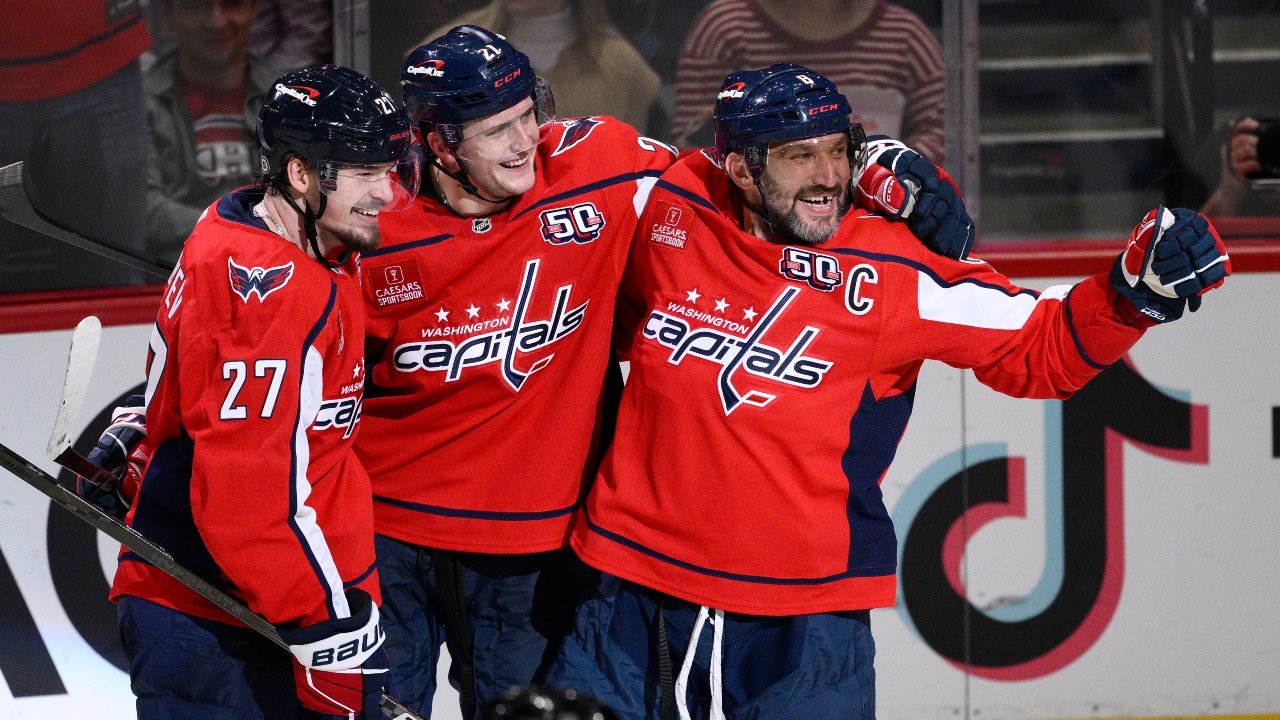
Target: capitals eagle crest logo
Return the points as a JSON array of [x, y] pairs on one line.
[[263, 281], [575, 131]]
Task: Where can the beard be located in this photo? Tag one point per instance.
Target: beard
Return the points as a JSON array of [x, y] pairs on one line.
[[358, 239], [794, 229]]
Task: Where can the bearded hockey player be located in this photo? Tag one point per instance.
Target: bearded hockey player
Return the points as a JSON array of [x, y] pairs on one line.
[[777, 338], [490, 315], [253, 394]]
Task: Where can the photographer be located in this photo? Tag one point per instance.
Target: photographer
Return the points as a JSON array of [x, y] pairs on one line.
[[1242, 163]]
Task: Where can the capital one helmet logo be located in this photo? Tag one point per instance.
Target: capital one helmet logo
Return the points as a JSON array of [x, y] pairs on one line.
[[433, 68], [734, 90], [301, 93]]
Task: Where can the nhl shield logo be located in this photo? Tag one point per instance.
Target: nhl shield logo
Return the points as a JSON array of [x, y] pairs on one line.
[[481, 225]]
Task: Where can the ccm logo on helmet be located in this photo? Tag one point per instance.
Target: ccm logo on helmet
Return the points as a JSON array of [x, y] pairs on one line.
[[825, 108], [508, 78], [732, 91], [301, 93], [434, 68]]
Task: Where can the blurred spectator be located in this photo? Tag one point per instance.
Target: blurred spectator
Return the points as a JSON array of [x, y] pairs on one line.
[[571, 43], [880, 55], [656, 29], [71, 108], [287, 34], [1234, 194], [292, 34], [202, 106]]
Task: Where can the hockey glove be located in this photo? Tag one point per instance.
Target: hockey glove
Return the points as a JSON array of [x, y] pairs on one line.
[[121, 451], [925, 196], [1173, 257], [340, 668]]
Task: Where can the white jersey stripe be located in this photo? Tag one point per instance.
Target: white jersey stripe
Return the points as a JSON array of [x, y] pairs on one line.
[[977, 306], [310, 396]]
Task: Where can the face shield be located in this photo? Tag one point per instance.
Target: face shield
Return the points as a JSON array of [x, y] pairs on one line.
[[373, 188], [506, 135]]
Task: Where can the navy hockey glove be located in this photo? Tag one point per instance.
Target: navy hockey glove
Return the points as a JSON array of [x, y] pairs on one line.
[[1173, 257], [121, 452], [340, 667], [931, 203]]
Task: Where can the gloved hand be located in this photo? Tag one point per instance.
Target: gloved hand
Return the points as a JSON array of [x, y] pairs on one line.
[[925, 196], [1173, 257], [121, 451], [340, 668]]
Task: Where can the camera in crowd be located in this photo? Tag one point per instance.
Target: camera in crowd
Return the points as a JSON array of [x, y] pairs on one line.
[[1268, 148]]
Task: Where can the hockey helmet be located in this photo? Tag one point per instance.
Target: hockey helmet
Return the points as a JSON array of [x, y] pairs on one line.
[[534, 703], [334, 117], [467, 74], [781, 102]]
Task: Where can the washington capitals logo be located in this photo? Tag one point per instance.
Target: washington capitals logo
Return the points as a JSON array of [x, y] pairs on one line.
[[514, 337], [263, 281], [787, 365], [576, 131]]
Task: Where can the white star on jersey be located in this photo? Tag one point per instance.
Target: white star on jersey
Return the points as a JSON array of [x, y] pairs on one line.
[[721, 304], [692, 296], [473, 311], [442, 314], [503, 305], [749, 313]]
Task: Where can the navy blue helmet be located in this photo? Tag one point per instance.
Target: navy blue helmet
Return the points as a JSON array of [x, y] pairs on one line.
[[331, 115], [781, 102], [467, 74]]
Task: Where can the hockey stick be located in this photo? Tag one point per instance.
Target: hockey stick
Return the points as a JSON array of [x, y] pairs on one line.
[[80, 362], [16, 207], [156, 555]]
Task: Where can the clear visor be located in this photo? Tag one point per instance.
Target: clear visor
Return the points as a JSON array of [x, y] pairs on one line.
[[381, 187], [510, 134], [798, 162]]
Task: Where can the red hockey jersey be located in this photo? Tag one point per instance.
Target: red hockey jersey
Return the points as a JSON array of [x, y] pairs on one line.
[[771, 384], [254, 386], [488, 341]]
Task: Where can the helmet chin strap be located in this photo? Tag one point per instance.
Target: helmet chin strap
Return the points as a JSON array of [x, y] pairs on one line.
[[309, 218], [464, 180]]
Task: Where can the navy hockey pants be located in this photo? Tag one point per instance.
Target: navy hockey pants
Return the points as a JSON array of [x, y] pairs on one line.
[[502, 617], [184, 667], [798, 667]]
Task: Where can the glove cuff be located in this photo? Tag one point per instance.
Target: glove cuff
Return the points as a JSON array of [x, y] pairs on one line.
[[338, 645], [1144, 300]]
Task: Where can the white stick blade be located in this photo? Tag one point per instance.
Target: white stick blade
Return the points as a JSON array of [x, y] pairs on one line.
[[80, 362]]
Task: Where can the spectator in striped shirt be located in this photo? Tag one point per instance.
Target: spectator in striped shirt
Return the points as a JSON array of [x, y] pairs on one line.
[[880, 55]]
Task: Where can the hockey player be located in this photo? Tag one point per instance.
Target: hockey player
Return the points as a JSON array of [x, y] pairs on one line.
[[490, 315], [778, 335], [490, 308], [254, 382]]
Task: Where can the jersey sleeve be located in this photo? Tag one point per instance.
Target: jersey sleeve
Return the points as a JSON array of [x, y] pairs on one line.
[[251, 385], [1018, 341]]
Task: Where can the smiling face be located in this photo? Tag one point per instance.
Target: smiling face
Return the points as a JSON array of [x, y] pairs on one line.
[[211, 34], [359, 194], [806, 187], [498, 152]]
